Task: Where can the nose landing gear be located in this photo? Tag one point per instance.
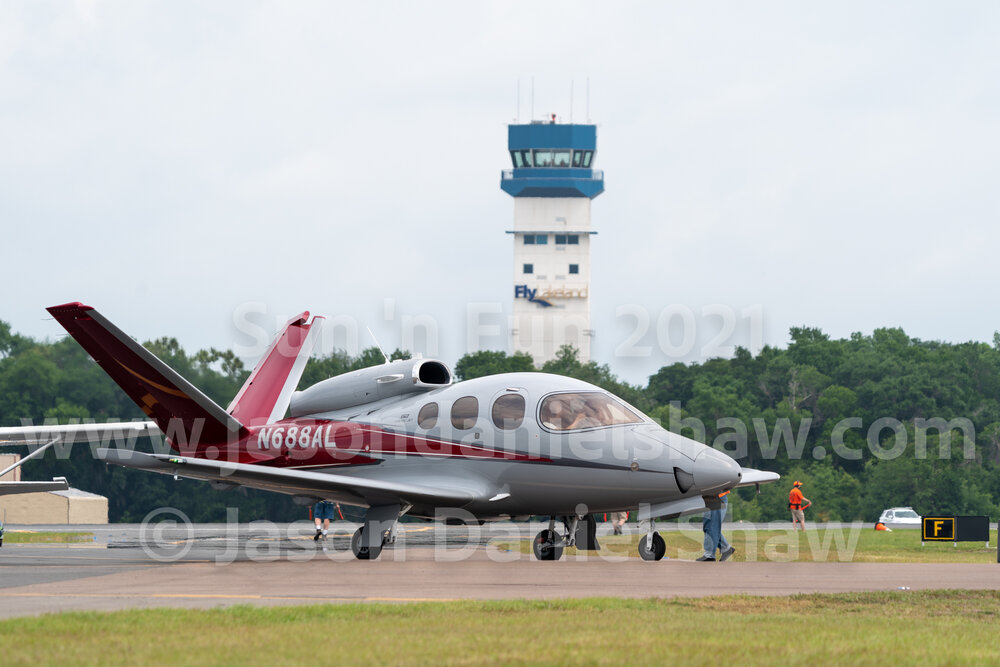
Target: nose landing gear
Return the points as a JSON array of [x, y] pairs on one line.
[[651, 545]]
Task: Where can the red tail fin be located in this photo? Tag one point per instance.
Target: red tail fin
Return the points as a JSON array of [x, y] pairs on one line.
[[265, 395], [190, 419]]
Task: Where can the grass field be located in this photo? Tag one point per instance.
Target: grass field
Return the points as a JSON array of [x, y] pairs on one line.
[[858, 545], [31, 537], [954, 627]]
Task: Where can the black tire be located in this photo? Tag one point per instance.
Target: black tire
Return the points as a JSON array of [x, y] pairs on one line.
[[656, 552], [360, 552], [545, 547]]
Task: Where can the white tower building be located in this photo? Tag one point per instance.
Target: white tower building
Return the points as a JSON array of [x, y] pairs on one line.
[[552, 183]]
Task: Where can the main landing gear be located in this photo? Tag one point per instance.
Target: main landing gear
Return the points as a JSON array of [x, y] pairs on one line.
[[581, 532], [548, 544], [360, 546], [378, 530], [651, 545]]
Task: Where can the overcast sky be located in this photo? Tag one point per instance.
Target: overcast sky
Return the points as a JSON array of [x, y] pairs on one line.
[[206, 170]]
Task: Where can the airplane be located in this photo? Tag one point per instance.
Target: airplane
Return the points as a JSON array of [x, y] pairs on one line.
[[403, 438]]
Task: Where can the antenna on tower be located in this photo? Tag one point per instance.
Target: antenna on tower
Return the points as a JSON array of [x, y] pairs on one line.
[[571, 101], [588, 99], [517, 115], [532, 98]]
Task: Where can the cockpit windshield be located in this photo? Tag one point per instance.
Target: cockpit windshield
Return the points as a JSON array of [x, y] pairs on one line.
[[577, 410]]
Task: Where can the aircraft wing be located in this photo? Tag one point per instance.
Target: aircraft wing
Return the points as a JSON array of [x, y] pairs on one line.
[[749, 477], [347, 489], [104, 433], [10, 488]]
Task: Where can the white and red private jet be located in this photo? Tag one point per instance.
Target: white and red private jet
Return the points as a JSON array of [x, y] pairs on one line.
[[404, 438]]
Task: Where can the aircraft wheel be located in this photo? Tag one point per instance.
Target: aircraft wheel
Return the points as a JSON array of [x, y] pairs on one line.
[[545, 547], [360, 552], [656, 551]]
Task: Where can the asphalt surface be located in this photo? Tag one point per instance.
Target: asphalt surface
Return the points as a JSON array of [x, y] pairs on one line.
[[208, 566]]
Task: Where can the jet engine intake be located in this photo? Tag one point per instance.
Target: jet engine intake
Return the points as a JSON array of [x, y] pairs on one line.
[[396, 378]]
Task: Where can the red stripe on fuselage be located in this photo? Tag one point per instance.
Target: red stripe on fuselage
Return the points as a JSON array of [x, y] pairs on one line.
[[302, 443]]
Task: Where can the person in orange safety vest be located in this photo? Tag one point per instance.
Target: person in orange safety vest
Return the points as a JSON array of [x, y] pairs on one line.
[[797, 502]]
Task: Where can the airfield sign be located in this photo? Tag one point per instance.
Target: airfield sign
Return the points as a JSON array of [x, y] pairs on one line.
[[938, 528], [956, 529]]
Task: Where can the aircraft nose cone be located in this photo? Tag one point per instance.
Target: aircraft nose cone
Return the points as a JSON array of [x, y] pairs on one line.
[[715, 472]]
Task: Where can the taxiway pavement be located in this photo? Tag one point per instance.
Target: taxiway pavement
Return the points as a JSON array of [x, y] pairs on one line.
[[217, 566]]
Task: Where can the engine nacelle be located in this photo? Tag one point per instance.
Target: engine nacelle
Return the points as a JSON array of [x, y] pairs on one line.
[[405, 376]]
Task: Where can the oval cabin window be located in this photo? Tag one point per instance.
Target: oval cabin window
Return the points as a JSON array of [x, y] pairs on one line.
[[508, 411], [428, 416], [464, 412]]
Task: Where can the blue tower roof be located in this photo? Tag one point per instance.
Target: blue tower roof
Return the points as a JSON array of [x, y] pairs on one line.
[[552, 160]]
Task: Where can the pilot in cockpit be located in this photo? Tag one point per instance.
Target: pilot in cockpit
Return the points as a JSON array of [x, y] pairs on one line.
[[555, 414], [560, 416]]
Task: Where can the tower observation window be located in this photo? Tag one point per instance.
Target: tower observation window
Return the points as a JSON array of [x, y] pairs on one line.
[[559, 158], [543, 158], [521, 158]]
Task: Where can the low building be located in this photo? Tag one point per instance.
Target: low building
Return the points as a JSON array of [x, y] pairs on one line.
[[71, 506]]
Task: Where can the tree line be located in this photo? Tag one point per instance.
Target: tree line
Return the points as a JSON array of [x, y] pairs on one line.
[[866, 422]]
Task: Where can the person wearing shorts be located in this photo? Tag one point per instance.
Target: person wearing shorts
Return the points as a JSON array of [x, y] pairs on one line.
[[618, 520], [322, 514], [797, 503]]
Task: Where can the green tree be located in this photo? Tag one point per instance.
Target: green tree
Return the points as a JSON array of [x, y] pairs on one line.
[[567, 362], [492, 362]]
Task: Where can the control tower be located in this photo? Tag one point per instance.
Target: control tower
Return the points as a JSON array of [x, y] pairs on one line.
[[552, 183]]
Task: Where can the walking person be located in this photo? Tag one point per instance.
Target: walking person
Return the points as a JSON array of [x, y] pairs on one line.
[[618, 520], [797, 503], [711, 525], [322, 512]]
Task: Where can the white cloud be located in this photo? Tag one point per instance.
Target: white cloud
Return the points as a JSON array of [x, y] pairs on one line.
[[170, 161]]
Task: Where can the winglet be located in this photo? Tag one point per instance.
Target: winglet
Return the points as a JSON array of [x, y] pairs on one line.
[[265, 395]]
